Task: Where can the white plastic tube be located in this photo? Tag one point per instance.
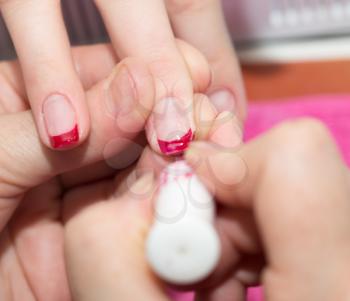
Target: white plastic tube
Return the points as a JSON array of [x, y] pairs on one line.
[[183, 246]]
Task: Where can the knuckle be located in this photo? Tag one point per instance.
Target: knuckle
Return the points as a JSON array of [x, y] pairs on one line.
[[300, 143], [305, 135], [302, 153], [170, 78], [47, 69]]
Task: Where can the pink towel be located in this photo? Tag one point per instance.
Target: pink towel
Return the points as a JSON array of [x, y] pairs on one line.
[[333, 111]]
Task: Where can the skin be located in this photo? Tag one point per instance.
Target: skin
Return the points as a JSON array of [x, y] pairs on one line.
[[31, 250], [49, 67], [285, 223], [287, 182]]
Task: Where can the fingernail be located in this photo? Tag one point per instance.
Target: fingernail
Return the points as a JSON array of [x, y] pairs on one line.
[[223, 100], [60, 121], [172, 126]]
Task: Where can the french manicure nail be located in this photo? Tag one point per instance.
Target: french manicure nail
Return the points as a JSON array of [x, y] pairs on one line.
[[172, 126], [60, 121], [223, 100]]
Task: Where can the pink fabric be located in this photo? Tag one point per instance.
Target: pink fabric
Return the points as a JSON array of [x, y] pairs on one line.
[[333, 111]]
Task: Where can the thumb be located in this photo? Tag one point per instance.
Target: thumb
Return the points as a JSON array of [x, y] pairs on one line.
[[119, 107]]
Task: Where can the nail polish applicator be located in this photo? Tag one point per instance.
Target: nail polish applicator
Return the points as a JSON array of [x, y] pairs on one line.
[[183, 246]]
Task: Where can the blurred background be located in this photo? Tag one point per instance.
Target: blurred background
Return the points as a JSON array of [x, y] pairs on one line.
[[286, 47]]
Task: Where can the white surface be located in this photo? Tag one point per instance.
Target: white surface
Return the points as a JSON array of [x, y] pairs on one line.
[[183, 246], [252, 20], [296, 51]]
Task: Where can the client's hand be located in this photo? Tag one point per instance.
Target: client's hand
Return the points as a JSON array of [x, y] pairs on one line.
[[138, 28], [283, 215], [34, 180]]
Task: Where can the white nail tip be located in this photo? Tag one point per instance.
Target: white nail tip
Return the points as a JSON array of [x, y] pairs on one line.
[[186, 248]]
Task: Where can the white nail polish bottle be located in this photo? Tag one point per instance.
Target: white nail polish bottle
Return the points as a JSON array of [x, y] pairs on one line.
[[183, 246]]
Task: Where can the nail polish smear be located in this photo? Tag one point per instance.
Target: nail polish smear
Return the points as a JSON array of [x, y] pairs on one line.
[[176, 146], [66, 139]]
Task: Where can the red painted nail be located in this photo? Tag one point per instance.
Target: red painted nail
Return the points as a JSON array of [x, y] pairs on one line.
[[65, 140], [177, 146]]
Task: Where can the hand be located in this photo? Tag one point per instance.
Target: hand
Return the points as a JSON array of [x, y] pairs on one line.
[[34, 181], [139, 29], [283, 216]]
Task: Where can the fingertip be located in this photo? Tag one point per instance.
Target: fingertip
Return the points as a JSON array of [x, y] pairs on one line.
[[142, 84], [129, 95], [197, 155], [90, 70], [226, 131], [220, 168], [63, 121], [197, 65], [205, 114], [193, 155]]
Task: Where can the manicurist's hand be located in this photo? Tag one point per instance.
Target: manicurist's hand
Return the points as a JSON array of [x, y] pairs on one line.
[[141, 29], [283, 220]]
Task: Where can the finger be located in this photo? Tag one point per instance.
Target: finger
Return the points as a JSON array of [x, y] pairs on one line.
[[107, 247], [223, 129], [36, 237], [91, 71], [13, 97], [118, 115], [226, 131], [197, 66], [206, 16], [296, 181], [53, 87], [12, 90], [204, 111], [147, 22], [204, 114]]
